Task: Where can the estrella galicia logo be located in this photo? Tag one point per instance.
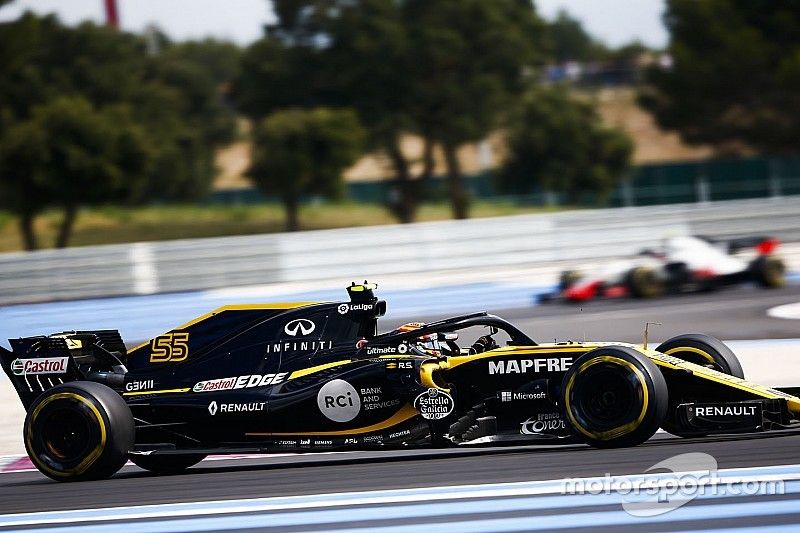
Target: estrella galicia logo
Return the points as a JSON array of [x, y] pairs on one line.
[[434, 404], [302, 326]]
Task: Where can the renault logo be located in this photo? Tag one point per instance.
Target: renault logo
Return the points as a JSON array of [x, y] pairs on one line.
[[301, 325], [212, 408]]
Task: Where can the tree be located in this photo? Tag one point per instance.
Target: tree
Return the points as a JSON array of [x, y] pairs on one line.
[[369, 62], [341, 54], [68, 155], [735, 75], [471, 58], [300, 152], [172, 105], [185, 104], [23, 190], [202, 72], [560, 144], [276, 75], [568, 41], [49, 60], [444, 70]]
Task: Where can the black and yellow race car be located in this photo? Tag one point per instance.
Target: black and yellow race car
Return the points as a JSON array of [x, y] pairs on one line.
[[318, 376]]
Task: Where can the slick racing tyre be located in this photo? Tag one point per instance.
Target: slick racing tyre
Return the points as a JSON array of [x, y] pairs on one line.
[[702, 350], [644, 282], [167, 464], [568, 278], [78, 431], [769, 271], [614, 397]]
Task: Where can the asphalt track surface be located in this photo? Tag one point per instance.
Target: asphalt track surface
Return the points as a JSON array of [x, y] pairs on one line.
[[364, 471], [730, 314]]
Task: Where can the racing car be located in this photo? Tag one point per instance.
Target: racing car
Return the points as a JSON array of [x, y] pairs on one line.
[[306, 377], [681, 264]]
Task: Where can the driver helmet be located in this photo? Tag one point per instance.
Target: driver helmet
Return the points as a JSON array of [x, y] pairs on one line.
[[428, 343]]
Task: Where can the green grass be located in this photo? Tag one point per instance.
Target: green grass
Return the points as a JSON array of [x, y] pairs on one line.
[[111, 225]]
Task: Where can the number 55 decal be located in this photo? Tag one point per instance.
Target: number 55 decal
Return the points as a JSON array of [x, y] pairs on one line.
[[171, 347]]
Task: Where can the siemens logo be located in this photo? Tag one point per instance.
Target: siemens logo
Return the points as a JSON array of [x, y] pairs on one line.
[[523, 366]]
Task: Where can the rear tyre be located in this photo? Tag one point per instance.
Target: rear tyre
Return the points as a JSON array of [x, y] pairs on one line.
[[769, 271], [702, 350], [79, 431], [644, 282], [167, 464], [614, 397], [568, 278]]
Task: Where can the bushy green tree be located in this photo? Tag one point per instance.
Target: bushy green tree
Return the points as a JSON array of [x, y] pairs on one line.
[[567, 40], [341, 54], [275, 75], [561, 145], [202, 72], [174, 102], [300, 152], [735, 75], [23, 187], [67, 155], [368, 63], [471, 61], [445, 70]]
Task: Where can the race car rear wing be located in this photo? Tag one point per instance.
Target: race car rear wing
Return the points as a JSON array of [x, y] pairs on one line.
[[36, 364], [763, 244]]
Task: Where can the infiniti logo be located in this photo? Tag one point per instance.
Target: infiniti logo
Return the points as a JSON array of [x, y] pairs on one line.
[[301, 325]]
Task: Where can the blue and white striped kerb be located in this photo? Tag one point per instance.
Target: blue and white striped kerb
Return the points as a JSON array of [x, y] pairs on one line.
[[526, 506]]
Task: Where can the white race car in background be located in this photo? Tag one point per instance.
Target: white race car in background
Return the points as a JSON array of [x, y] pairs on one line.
[[681, 264]]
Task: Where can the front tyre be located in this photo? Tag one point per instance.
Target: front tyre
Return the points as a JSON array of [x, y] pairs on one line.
[[614, 397], [78, 431], [645, 282], [167, 464], [568, 278], [769, 271], [703, 350]]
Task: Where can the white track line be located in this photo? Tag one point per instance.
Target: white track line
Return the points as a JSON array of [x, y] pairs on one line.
[[788, 311], [363, 498]]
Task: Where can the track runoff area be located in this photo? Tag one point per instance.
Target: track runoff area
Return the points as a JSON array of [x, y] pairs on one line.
[[749, 482]]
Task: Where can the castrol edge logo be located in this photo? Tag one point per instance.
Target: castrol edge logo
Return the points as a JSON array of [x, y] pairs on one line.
[[39, 365], [239, 382]]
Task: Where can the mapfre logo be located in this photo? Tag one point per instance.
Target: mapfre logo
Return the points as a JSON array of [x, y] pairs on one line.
[[339, 401], [523, 366], [299, 326]]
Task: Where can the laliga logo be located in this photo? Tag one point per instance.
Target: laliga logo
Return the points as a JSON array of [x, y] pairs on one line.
[[343, 309], [302, 325]]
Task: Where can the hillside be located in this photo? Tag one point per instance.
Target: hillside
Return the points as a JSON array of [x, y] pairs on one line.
[[617, 106]]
